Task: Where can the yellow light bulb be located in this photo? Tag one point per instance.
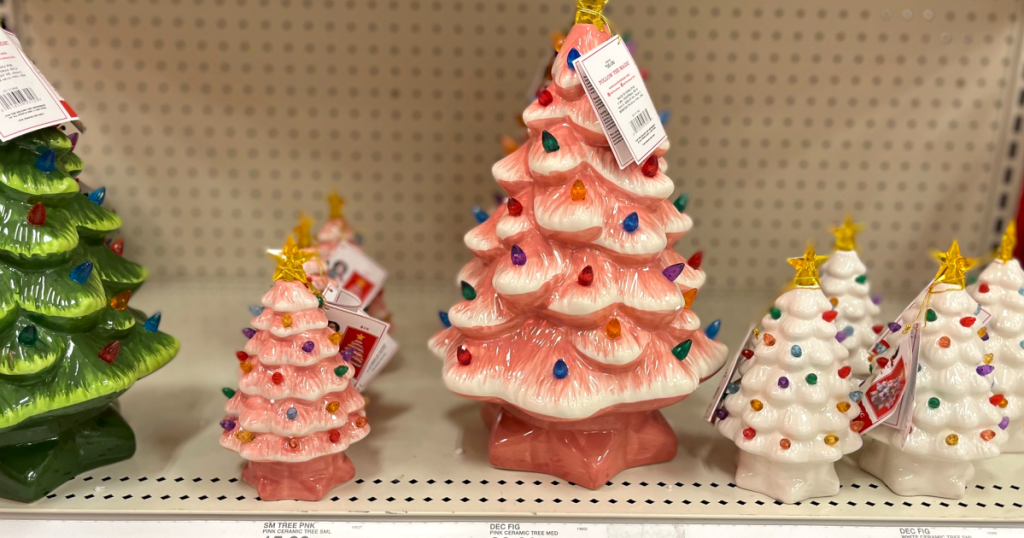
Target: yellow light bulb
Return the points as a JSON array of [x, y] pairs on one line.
[[843, 407], [286, 321], [831, 439], [335, 338], [244, 436], [333, 407], [756, 405], [120, 301]]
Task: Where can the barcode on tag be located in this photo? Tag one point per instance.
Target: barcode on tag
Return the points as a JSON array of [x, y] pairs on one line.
[[18, 98], [641, 119], [615, 140]]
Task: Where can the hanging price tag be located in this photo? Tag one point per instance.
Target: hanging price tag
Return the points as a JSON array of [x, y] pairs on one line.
[[358, 273], [365, 342], [617, 91], [732, 375], [28, 102], [888, 397]]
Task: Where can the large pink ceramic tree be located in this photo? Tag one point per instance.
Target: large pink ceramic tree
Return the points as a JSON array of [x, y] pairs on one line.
[[576, 325]]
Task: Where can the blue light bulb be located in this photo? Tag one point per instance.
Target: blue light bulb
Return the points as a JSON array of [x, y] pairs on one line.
[[81, 273], [561, 370], [631, 222], [479, 214], [97, 196], [712, 330], [153, 323], [571, 57], [47, 162], [444, 319], [255, 310]]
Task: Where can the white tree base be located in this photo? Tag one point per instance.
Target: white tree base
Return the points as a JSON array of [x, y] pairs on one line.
[[1015, 443], [911, 474], [786, 482]]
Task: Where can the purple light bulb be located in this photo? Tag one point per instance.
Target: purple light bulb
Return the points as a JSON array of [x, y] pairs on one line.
[[518, 256]]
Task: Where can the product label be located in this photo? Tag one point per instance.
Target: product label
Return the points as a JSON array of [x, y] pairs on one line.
[[28, 102], [732, 375], [356, 272], [616, 89], [888, 397], [365, 342]]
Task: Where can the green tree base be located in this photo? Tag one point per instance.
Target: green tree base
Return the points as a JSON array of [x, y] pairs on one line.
[[37, 458]]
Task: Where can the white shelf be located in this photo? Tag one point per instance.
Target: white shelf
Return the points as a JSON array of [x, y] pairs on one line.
[[426, 456]]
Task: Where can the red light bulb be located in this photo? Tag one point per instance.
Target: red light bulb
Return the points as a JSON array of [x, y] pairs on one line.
[[277, 378], [464, 356], [650, 166], [242, 355], [118, 247], [514, 207], [544, 97], [694, 261], [37, 215], [586, 277]]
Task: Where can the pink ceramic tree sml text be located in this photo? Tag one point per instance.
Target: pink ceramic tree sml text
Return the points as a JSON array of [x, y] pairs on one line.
[[296, 411], [576, 325]]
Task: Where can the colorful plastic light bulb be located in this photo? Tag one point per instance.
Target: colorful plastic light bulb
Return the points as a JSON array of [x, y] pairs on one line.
[[228, 392], [341, 371], [561, 370], [681, 202], [549, 142], [109, 352], [468, 293], [117, 247], [712, 330], [696, 260], [464, 356], [81, 273], [544, 97], [249, 332], [586, 277], [571, 57], [47, 161], [444, 319], [681, 350], [97, 196], [227, 424], [308, 346], [578, 193], [152, 324], [650, 166], [255, 310], [672, 272], [37, 215], [518, 256], [292, 413], [28, 335], [631, 222], [515, 208], [479, 214], [119, 302], [613, 329]]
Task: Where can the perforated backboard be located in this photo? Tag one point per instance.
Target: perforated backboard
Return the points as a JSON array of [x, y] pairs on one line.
[[213, 122]]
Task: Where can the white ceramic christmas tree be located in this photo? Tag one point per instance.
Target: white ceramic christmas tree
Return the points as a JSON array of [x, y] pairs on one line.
[[953, 421], [1000, 290], [844, 280], [790, 415]]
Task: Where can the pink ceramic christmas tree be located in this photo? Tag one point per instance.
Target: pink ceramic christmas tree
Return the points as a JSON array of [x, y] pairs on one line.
[[576, 326], [296, 411]]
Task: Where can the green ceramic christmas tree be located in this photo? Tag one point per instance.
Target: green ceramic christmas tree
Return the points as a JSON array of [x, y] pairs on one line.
[[69, 342]]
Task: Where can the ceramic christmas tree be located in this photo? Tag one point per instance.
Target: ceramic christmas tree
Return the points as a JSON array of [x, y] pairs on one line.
[[576, 325], [331, 234], [790, 415], [954, 420], [70, 343], [296, 411], [336, 229], [1000, 290], [844, 281]]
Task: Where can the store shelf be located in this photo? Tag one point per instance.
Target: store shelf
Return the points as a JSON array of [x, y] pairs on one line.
[[426, 456]]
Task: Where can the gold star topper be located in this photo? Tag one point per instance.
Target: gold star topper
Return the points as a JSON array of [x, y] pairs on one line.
[[846, 235], [807, 269], [337, 206], [953, 266], [1008, 244], [589, 12], [302, 234], [289, 262]]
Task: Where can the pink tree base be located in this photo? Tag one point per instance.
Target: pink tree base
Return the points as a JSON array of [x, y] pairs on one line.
[[587, 452], [305, 481]]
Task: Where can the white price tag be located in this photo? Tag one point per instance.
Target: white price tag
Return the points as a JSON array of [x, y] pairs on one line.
[[617, 91], [28, 102], [357, 272], [888, 397], [365, 342]]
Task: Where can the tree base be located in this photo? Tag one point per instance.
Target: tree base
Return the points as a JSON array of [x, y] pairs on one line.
[[786, 482], [587, 452], [305, 481], [1015, 442], [910, 474], [41, 455]]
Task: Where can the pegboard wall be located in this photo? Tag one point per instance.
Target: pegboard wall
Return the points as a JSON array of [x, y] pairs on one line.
[[213, 122]]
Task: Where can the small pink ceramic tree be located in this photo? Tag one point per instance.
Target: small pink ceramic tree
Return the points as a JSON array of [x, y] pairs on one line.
[[576, 325], [296, 411]]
